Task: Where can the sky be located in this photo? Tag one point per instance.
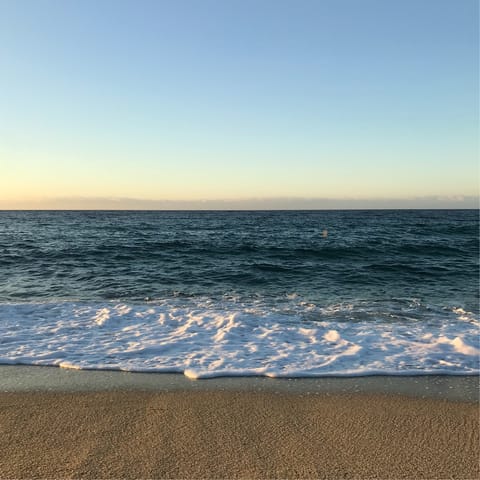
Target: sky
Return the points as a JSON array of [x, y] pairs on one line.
[[239, 103]]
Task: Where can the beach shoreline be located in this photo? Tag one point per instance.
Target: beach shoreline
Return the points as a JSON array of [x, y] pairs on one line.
[[125, 425], [29, 378]]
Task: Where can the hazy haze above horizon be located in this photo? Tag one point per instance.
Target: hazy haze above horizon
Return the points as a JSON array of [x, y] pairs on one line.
[[238, 105]]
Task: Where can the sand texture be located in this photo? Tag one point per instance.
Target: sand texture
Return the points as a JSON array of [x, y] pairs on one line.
[[235, 435]]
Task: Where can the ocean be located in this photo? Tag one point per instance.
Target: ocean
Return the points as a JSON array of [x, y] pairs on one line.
[[217, 293]]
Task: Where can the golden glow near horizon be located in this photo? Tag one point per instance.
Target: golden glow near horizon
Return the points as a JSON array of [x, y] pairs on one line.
[[26, 183]]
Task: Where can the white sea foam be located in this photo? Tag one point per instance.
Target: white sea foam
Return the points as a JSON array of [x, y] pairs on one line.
[[202, 338]]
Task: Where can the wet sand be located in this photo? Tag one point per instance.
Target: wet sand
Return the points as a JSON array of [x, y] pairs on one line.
[[29, 378], [235, 434]]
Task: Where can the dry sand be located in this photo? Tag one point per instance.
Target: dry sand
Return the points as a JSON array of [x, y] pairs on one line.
[[235, 434]]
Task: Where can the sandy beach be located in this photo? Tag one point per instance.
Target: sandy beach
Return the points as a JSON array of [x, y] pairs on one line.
[[228, 434]]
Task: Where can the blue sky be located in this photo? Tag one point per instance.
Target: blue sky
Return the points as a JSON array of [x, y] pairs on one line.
[[238, 101]]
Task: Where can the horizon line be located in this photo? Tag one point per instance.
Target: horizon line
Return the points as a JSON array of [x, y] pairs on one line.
[[230, 209]]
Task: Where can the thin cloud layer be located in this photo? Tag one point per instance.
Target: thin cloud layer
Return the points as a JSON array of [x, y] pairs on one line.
[[285, 203]]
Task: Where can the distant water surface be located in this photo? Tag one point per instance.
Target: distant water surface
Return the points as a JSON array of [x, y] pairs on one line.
[[284, 293]]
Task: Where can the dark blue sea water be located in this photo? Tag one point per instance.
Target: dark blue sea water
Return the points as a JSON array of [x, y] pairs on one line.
[[282, 271]]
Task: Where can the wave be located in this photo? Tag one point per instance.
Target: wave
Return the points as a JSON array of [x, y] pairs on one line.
[[206, 337]]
